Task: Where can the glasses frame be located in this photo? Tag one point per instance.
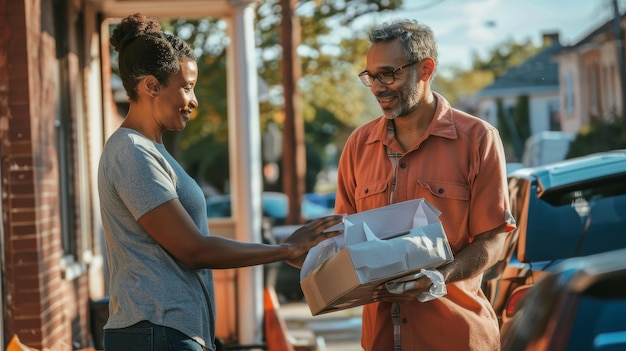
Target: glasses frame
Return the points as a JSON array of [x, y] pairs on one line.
[[367, 79]]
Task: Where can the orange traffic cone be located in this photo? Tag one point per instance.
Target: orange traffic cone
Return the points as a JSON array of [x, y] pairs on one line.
[[275, 327]]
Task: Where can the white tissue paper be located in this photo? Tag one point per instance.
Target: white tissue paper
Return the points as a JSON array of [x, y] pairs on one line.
[[437, 290]]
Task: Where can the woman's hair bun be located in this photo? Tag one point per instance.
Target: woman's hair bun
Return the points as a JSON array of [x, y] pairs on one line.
[[132, 27]]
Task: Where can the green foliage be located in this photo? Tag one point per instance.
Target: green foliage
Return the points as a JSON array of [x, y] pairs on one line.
[[328, 66], [457, 83], [314, 164], [335, 86], [207, 161], [506, 134], [323, 130], [462, 84], [506, 55], [598, 136], [514, 124], [521, 116], [329, 61], [208, 39], [332, 99]]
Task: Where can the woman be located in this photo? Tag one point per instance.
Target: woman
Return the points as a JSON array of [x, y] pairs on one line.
[[154, 214]]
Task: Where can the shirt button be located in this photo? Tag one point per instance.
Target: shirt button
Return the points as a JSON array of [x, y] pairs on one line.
[[403, 165], [440, 191], [404, 320], [367, 191]]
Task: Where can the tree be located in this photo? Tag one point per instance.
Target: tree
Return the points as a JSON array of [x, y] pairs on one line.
[[209, 40], [462, 84], [458, 84], [598, 136], [329, 77], [329, 87], [514, 124]]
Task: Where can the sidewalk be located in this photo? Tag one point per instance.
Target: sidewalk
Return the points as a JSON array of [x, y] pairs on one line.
[[335, 331]]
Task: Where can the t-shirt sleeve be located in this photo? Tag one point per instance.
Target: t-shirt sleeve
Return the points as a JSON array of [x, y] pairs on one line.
[[142, 179]]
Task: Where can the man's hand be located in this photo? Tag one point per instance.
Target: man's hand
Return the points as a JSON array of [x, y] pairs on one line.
[[422, 285]]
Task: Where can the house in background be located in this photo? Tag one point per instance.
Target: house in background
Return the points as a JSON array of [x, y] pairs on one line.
[[568, 87], [536, 78], [56, 111], [590, 79]]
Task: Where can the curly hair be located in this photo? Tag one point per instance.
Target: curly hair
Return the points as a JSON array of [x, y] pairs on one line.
[[146, 50]]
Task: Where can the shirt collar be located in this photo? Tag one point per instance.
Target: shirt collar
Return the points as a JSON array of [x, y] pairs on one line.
[[442, 124]]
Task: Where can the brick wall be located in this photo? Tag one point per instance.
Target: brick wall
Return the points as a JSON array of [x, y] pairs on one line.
[[41, 306]]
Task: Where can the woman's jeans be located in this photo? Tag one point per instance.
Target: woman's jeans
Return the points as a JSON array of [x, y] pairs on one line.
[[146, 336]]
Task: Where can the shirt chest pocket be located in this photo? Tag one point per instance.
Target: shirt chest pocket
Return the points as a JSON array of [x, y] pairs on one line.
[[452, 199], [371, 195]]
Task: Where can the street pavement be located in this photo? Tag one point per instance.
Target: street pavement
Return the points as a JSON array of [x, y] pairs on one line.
[[335, 331]]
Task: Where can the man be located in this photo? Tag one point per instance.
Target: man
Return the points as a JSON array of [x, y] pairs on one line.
[[421, 147]]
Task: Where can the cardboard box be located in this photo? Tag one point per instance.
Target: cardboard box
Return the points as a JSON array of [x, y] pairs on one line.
[[377, 246]]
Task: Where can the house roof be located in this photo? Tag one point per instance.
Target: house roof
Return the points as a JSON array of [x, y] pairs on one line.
[[539, 73], [601, 33]]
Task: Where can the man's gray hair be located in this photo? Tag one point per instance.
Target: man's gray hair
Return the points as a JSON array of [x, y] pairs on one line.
[[417, 39]]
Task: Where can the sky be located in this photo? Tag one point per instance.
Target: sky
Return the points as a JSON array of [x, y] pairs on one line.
[[462, 27]]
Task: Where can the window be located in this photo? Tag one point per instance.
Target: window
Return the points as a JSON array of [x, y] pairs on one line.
[[578, 219], [63, 125], [594, 91]]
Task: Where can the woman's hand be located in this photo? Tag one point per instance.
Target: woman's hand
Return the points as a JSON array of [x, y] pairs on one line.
[[310, 234]]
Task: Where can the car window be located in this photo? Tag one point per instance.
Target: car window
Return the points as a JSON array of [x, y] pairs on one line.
[[580, 220]]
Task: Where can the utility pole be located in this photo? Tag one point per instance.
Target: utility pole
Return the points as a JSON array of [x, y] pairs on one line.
[[619, 40], [294, 153]]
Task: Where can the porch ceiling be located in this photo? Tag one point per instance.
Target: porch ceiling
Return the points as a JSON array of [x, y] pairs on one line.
[[170, 8]]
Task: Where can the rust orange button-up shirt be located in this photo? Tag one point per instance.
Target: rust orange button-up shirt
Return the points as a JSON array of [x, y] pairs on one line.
[[459, 167]]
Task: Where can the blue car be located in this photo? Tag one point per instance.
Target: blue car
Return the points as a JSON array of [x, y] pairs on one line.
[[580, 305], [567, 209], [274, 205], [284, 278]]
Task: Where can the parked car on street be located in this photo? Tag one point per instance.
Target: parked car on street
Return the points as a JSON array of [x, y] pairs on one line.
[[327, 200], [571, 208], [284, 278], [513, 166], [579, 306], [546, 147], [274, 204]]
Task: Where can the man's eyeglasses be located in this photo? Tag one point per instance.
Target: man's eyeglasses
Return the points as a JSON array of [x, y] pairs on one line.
[[386, 78]]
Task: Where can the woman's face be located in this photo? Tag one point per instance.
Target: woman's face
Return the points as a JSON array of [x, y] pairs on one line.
[[177, 100]]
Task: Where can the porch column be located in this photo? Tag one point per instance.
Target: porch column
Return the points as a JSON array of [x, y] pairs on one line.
[[245, 163]]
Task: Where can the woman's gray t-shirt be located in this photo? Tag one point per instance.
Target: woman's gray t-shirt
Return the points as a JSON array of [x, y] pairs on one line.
[[135, 176]]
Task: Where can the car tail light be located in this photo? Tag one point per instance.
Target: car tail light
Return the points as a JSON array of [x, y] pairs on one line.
[[516, 301]]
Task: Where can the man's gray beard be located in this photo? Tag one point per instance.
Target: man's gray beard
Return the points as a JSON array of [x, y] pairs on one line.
[[410, 103]]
